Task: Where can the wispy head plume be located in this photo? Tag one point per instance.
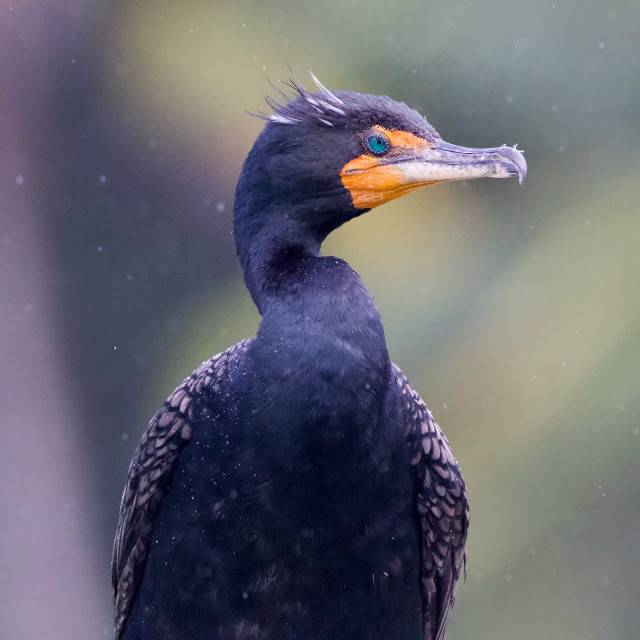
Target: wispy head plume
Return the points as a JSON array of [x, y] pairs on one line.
[[324, 105]]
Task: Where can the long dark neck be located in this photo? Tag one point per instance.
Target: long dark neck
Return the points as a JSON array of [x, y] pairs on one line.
[[279, 251]]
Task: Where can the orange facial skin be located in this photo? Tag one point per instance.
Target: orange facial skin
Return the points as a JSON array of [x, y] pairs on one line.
[[373, 180]]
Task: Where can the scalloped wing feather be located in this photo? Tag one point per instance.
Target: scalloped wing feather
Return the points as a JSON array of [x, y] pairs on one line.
[[151, 467], [442, 509]]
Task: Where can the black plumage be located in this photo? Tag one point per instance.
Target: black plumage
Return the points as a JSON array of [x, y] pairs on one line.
[[295, 485]]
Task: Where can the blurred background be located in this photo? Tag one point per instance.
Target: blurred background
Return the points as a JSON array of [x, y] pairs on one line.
[[515, 311]]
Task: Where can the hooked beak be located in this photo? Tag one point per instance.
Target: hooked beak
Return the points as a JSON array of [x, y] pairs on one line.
[[446, 161], [374, 181]]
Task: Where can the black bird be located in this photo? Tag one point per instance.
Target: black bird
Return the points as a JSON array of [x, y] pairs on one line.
[[295, 486]]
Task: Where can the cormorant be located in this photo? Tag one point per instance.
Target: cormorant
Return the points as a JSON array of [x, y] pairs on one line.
[[295, 486]]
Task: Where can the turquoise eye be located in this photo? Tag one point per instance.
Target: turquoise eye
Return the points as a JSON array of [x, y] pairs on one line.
[[377, 143]]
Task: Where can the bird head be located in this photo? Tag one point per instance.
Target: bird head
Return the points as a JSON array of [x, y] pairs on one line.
[[325, 157]]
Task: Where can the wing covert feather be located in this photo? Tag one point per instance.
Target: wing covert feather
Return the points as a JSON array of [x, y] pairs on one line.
[[441, 507], [151, 467]]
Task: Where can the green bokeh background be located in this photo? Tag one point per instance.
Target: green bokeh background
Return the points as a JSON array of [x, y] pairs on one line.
[[514, 311]]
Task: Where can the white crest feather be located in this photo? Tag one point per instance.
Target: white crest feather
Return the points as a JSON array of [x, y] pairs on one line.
[[325, 104]]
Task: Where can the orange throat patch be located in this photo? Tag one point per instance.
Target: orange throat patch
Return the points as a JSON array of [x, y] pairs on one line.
[[376, 185], [371, 182]]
